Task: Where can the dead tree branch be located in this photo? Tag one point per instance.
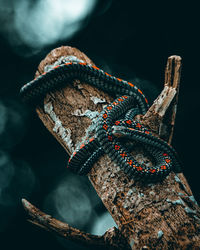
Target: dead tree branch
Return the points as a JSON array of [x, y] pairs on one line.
[[152, 216], [112, 239], [160, 117]]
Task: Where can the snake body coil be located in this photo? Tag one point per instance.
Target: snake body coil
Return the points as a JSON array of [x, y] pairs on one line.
[[116, 118]]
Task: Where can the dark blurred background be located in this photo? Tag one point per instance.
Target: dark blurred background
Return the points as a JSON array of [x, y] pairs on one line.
[[130, 39]]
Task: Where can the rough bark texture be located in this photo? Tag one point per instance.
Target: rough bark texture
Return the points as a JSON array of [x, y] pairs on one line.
[[150, 216]]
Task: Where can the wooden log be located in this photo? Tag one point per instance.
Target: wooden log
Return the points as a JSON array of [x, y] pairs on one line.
[[164, 215]]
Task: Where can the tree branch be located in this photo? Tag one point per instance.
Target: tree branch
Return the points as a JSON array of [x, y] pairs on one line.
[[112, 239]]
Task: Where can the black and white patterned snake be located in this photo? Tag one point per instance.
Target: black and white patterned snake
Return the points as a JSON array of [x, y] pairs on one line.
[[117, 118]]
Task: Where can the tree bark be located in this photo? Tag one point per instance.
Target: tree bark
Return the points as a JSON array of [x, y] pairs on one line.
[[164, 215]]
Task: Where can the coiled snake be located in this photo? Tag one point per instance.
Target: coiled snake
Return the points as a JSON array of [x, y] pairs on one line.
[[115, 119]]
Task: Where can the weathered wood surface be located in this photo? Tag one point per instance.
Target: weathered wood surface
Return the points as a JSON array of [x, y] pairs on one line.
[[150, 216]]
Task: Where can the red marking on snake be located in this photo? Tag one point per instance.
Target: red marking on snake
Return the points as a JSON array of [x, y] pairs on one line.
[[95, 67], [110, 138], [140, 91], [109, 107], [130, 162], [120, 100], [138, 125], [129, 83], [117, 122], [56, 67], [129, 122], [123, 154], [105, 126], [107, 74], [92, 139]]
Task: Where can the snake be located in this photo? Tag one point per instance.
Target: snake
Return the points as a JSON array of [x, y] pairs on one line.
[[115, 123]]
